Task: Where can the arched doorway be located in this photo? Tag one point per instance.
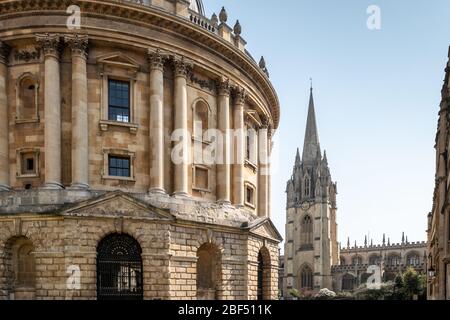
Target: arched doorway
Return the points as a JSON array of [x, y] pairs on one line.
[[209, 272], [119, 268], [348, 282], [263, 289]]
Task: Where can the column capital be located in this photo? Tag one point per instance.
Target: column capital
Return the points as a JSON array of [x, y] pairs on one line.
[[4, 52], [239, 95], [156, 59], [265, 123], [181, 67], [78, 43], [223, 87], [50, 44]]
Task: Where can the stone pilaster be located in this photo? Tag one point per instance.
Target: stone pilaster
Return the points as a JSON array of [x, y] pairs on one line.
[[51, 46], [80, 133], [181, 70], [156, 62], [224, 165], [239, 148], [263, 171], [4, 132]]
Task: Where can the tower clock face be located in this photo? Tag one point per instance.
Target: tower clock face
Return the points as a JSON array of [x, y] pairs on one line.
[[305, 206]]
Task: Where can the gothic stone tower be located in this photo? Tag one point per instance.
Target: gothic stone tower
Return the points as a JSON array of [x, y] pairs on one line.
[[311, 230]]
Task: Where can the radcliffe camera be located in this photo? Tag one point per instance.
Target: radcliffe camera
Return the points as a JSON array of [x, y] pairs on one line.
[[228, 158]]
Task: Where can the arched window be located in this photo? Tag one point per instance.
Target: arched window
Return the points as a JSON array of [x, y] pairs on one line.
[[307, 187], [264, 275], [119, 268], [356, 260], [343, 261], [348, 282], [209, 270], [20, 269], [394, 260], [375, 260], [201, 120], [413, 260], [306, 278], [27, 89], [307, 232]]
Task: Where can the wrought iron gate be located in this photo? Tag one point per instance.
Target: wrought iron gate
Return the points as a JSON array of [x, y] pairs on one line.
[[119, 269]]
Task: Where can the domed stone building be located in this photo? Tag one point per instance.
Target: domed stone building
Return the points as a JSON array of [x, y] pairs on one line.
[[108, 112]]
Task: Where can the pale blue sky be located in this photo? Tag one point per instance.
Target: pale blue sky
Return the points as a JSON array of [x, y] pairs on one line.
[[377, 95]]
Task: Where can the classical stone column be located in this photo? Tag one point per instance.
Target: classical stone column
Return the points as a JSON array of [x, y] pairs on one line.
[[80, 132], [181, 153], [224, 165], [263, 171], [52, 95], [239, 148], [4, 132], [156, 62]]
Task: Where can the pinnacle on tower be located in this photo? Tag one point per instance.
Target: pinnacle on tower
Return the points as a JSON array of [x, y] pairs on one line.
[[348, 243], [311, 147], [403, 238], [384, 239], [298, 160]]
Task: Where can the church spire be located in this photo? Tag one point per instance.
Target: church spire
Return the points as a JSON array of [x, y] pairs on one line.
[[311, 147]]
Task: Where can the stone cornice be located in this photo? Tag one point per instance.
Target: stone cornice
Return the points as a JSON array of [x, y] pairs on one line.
[[157, 18]]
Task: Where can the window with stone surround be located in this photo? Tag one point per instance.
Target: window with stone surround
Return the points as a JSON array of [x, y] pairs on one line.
[[394, 260], [27, 162], [118, 164], [357, 260], [250, 192], [306, 278], [27, 99], [412, 259], [375, 260], [118, 94], [306, 233], [251, 146], [348, 282]]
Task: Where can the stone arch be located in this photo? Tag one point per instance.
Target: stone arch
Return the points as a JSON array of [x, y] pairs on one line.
[[19, 268], [119, 268], [357, 259], [264, 276], [208, 237], [375, 259], [27, 97], [209, 272], [412, 258], [348, 282]]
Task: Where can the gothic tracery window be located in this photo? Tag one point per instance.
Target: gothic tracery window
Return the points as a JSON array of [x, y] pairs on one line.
[[306, 232], [306, 278]]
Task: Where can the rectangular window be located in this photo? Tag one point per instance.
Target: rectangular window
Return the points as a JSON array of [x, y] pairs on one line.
[[28, 163], [118, 101], [250, 196], [119, 166]]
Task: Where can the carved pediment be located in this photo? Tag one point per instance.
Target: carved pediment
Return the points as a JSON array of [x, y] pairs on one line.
[[118, 59], [264, 228], [117, 204]]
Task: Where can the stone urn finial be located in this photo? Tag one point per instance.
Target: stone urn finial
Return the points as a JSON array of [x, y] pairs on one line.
[[237, 28], [214, 20], [223, 16]]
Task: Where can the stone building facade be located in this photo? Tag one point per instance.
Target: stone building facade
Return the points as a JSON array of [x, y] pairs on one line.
[[91, 204], [313, 258], [439, 218]]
